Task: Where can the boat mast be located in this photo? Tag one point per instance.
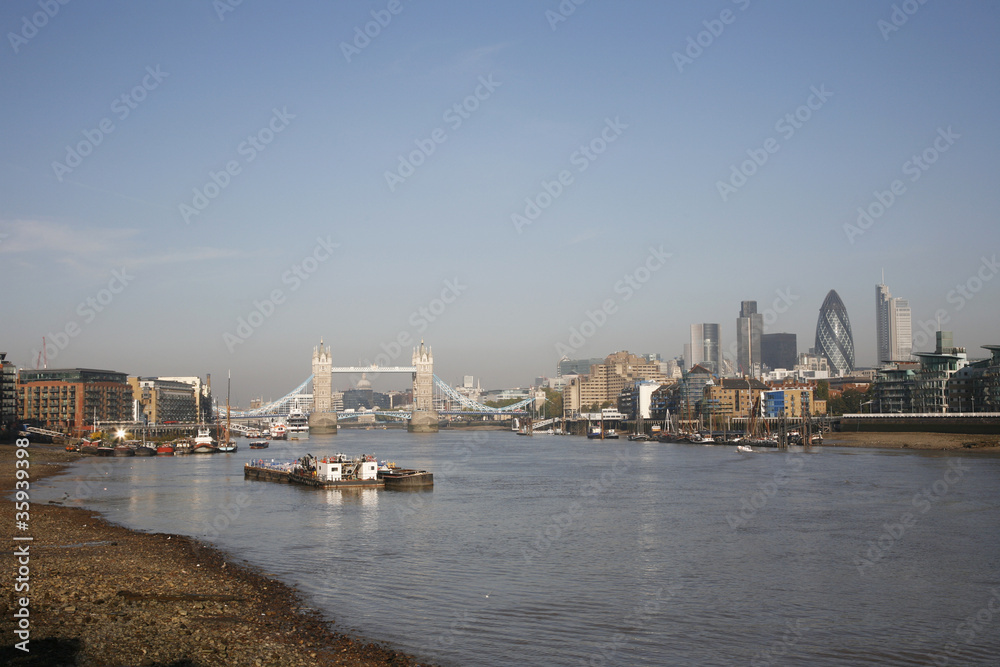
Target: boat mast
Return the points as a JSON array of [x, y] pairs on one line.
[[229, 382]]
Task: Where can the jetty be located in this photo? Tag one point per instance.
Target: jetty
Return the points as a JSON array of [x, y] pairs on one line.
[[338, 472]]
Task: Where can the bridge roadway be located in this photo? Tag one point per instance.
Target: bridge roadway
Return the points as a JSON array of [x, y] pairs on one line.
[[373, 369]]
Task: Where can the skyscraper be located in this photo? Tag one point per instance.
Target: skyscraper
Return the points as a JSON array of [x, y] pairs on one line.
[[892, 326], [706, 347], [834, 339], [779, 350], [749, 326]]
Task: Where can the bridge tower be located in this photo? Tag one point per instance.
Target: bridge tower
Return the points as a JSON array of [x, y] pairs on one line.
[[424, 418], [323, 418]]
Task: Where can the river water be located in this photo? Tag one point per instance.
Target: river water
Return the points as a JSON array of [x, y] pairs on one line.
[[563, 551]]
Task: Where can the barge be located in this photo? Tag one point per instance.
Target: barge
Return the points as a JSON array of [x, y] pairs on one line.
[[338, 472]]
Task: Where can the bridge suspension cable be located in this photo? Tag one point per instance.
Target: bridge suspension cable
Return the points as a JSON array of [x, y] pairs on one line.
[[278, 407], [472, 405]]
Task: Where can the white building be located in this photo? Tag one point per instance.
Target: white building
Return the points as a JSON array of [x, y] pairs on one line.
[[893, 332]]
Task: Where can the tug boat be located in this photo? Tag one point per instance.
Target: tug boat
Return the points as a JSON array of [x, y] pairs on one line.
[[203, 443]]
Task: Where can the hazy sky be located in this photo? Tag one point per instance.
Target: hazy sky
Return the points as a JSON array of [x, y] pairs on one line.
[[484, 175]]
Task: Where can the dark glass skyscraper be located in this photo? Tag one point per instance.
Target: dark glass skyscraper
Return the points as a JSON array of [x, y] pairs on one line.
[[779, 350], [834, 339], [749, 327]]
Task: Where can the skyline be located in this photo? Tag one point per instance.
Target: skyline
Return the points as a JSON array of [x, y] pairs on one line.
[[470, 169]]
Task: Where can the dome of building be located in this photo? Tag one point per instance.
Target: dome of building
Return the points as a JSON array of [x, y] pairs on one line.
[[364, 382]]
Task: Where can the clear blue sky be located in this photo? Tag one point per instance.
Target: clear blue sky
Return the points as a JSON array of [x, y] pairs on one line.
[[336, 123]]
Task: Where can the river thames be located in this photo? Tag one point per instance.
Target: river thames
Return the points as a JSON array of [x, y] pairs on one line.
[[565, 551]]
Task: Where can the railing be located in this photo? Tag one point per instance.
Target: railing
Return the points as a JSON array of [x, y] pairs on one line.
[[913, 415]]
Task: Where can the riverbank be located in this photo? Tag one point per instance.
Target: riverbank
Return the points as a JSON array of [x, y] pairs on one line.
[[924, 441], [101, 594]]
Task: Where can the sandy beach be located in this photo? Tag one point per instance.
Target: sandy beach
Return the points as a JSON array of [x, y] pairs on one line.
[[101, 594], [929, 441]]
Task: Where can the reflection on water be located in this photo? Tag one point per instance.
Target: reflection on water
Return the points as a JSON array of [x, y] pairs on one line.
[[563, 551]]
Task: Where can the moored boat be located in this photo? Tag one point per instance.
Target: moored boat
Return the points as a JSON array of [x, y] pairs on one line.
[[258, 444], [123, 450], [203, 443], [298, 422], [165, 449], [279, 431]]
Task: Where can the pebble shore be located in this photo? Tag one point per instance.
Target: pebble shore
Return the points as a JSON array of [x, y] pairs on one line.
[[101, 594]]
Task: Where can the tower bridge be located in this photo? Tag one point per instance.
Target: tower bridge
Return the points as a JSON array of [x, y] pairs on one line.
[[422, 419]]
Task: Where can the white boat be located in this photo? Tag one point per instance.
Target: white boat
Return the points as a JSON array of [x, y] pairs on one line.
[[298, 422], [203, 443], [745, 449]]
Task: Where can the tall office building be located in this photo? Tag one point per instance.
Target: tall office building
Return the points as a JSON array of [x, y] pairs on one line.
[[779, 350], [706, 347], [834, 339], [749, 327], [892, 327]]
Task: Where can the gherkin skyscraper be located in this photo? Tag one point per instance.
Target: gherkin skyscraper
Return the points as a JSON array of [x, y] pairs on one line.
[[834, 339]]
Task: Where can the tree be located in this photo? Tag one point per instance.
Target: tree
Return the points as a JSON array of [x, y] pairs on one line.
[[823, 390], [553, 403], [502, 404], [849, 401]]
